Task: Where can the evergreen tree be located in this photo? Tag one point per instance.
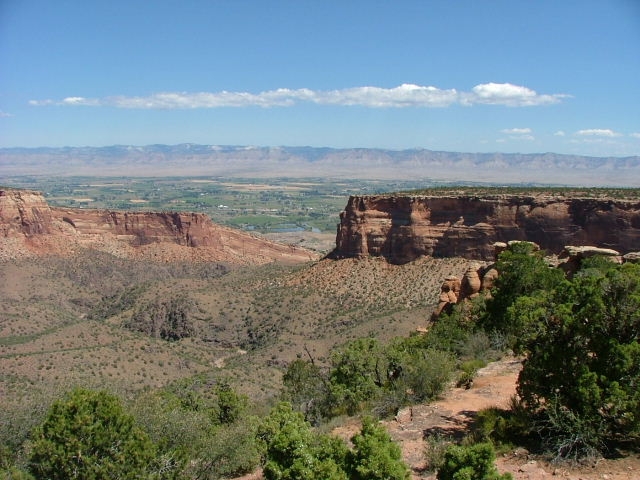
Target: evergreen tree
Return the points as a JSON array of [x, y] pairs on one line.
[[87, 435]]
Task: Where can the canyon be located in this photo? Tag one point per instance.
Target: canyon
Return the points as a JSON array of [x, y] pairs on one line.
[[402, 228], [398, 227], [29, 227]]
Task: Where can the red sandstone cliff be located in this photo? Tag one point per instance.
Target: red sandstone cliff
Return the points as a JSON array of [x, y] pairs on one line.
[[403, 228], [29, 226]]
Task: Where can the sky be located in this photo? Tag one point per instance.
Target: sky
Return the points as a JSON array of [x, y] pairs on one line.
[[523, 76]]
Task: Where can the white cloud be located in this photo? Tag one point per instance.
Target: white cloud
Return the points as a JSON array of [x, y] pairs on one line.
[[635, 134], [509, 95], [41, 103], [598, 132], [517, 131], [406, 95], [560, 133], [5, 114], [90, 102]]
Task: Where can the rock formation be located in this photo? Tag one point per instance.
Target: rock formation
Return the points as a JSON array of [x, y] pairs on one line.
[[480, 279], [403, 228], [477, 279], [30, 227], [449, 292], [571, 257]]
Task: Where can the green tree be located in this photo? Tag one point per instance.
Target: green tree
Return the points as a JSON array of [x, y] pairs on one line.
[[209, 427], [583, 364], [475, 462], [306, 387], [375, 456], [230, 405], [292, 451], [88, 435], [523, 272], [358, 371]]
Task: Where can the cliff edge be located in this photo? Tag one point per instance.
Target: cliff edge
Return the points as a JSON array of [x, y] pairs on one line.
[[29, 226], [402, 228]]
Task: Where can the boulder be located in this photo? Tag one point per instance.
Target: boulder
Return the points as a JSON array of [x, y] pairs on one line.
[[572, 256], [632, 257], [471, 282]]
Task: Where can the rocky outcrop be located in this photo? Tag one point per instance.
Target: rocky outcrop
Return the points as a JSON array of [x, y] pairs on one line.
[[24, 212], [403, 228], [570, 259], [29, 226], [140, 228], [477, 279], [480, 279]]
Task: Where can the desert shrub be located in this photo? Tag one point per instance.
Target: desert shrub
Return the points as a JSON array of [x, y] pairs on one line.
[[569, 435], [391, 400], [306, 386], [475, 462], [367, 375], [205, 428], [375, 456], [468, 370], [17, 421], [293, 451], [178, 431], [505, 427], [14, 473], [435, 447], [228, 451], [428, 375], [358, 371], [449, 333], [490, 424], [478, 346], [88, 435]]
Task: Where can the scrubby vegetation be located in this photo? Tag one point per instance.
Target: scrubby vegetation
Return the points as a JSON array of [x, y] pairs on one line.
[[170, 319], [87, 435], [581, 341], [577, 393], [367, 375], [474, 462]]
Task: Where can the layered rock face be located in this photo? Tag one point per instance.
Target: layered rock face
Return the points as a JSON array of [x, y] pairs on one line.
[[29, 226], [186, 229], [403, 228], [24, 212]]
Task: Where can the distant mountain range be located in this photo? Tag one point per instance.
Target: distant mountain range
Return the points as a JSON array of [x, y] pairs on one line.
[[297, 162]]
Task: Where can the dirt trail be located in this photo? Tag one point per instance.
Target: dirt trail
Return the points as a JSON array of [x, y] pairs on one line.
[[494, 385], [453, 415]]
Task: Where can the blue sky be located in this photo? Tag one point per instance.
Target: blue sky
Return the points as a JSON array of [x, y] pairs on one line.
[[459, 75]]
